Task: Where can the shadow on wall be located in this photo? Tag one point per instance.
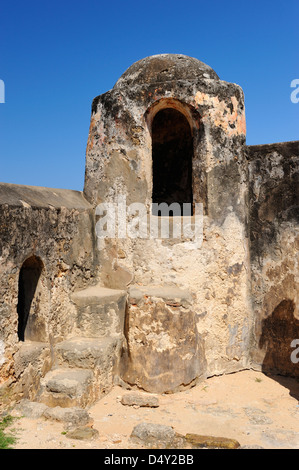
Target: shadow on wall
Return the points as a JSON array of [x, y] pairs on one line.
[[278, 332]]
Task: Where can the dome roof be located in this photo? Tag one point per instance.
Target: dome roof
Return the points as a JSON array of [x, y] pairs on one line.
[[164, 68]]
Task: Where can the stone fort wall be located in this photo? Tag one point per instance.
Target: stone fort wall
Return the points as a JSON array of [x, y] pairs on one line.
[[167, 315], [274, 254], [54, 227]]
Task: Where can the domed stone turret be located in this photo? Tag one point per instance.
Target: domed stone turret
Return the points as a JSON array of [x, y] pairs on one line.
[[164, 68], [171, 133]]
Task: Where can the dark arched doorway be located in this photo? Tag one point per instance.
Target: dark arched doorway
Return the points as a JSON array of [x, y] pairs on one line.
[[28, 280], [172, 153]]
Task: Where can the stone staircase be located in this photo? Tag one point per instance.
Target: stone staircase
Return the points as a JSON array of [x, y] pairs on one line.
[[83, 366], [161, 353], [82, 373]]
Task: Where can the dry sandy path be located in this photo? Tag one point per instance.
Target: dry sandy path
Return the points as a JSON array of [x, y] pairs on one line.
[[247, 406]]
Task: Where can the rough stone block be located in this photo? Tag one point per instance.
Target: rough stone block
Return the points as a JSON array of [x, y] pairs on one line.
[[153, 435], [67, 387], [165, 352], [71, 417], [140, 399], [83, 433], [86, 352], [211, 442], [29, 409], [97, 354], [32, 353], [100, 311]]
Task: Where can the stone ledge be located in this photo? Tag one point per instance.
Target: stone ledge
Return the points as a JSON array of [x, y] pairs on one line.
[[36, 196], [170, 294]]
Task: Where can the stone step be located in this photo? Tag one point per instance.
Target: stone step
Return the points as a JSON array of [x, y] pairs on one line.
[[32, 361], [70, 417], [67, 387], [99, 354], [86, 353], [100, 311], [171, 295]]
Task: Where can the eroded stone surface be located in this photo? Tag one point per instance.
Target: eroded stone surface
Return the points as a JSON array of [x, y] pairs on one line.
[[212, 442], [160, 436], [152, 435], [67, 387], [29, 409], [216, 273], [140, 399], [165, 351], [54, 226], [274, 216], [83, 433], [71, 417]]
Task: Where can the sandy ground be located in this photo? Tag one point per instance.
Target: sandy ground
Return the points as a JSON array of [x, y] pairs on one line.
[[248, 406]]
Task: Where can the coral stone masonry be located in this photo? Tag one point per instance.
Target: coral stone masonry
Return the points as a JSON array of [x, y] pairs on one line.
[[83, 307]]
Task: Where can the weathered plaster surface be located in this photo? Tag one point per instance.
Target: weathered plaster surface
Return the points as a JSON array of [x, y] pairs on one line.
[[56, 226], [274, 248], [119, 157]]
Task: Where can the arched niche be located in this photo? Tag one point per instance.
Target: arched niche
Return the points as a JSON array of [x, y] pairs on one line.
[[172, 156], [29, 278], [178, 150]]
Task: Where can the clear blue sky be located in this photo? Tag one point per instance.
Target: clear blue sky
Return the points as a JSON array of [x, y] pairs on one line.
[[56, 56]]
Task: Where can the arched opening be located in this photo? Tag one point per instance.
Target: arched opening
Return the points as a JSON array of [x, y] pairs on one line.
[[28, 280], [172, 154]]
